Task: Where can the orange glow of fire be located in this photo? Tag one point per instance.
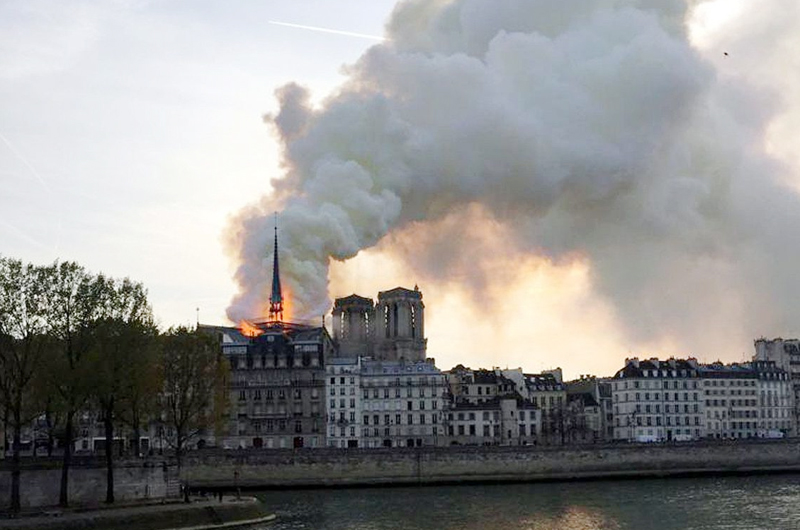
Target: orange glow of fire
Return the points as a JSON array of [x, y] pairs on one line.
[[249, 329], [287, 304]]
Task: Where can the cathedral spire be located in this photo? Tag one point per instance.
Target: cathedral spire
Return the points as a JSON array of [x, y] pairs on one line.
[[276, 298]]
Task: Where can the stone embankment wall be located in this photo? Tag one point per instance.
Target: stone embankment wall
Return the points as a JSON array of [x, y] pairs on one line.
[[349, 467], [134, 479]]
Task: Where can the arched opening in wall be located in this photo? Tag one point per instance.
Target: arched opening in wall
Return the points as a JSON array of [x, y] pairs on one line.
[[413, 322], [395, 313], [386, 326]]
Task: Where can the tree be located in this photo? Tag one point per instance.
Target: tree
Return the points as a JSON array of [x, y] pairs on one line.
[[76, 301], [141, 389], [23, 340], [123, 329], [194, 377]]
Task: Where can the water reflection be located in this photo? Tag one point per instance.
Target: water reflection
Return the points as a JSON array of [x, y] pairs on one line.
[[730, 503]]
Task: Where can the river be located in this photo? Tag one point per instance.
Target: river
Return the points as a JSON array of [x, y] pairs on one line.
[[713, 503]]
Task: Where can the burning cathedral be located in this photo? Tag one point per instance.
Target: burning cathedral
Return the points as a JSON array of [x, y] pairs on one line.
[[278, 368]]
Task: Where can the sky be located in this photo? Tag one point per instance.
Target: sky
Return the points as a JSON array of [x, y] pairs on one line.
[[132, 135]]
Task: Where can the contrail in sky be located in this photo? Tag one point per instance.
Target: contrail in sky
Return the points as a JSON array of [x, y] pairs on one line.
[[14, 230], [328, 30], [25, 161]]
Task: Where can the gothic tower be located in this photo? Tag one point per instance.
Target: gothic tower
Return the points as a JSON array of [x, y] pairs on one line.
[[400, 325], [353, 325]]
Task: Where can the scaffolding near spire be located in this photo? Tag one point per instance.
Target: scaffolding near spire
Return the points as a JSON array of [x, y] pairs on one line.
[[276, 298]]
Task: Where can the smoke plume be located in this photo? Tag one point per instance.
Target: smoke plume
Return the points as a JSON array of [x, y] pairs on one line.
[[587, 129]]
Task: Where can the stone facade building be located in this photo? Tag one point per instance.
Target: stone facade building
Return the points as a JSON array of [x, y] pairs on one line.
[[385, 403], [487, 409], [786, 355], [277, 385], [684, 400], [546, 391], [589, 412], [344, 403], [658, 400]]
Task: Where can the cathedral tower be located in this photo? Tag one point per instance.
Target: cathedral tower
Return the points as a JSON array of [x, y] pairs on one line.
[[400, 325]]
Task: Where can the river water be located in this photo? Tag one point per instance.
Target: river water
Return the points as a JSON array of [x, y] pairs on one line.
[[715, 503]]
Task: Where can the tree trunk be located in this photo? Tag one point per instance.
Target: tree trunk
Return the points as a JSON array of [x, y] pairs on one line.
[[108, 422], [179, 458], [63, 496], [16, 504], [137, 435], [48, 418]]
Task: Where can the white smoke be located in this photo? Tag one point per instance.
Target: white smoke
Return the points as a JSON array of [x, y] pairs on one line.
[[585, 127]]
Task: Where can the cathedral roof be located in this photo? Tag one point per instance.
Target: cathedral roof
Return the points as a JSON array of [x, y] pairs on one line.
[[400, 291], [353, 299]]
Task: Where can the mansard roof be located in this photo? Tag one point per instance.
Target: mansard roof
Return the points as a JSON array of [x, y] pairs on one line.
[[655, 368], [542, 382], [585, 398], [312, 334], [751, 370], [484, 377], [227, 334], [690, 368], [492, 403]]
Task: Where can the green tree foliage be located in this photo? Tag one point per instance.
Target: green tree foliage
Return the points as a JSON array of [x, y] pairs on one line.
[[141, 388], [23, 342], [78, 301], [194, 376], [74, 342], [122, 330]]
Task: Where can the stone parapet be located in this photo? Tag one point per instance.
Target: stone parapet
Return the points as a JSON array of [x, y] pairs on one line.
[[430, 465]]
